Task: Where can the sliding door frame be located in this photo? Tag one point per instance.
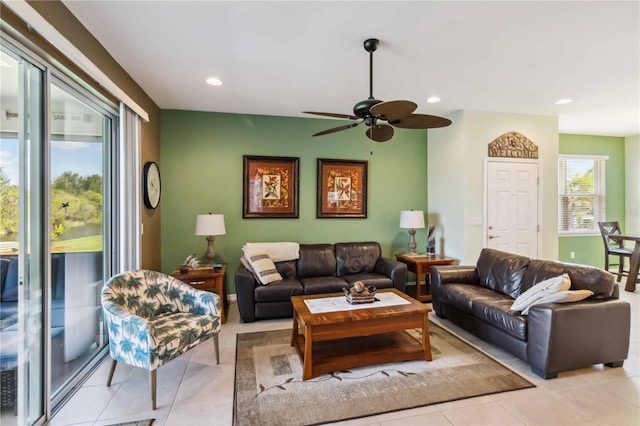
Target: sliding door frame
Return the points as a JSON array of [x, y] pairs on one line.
[[54, 72]]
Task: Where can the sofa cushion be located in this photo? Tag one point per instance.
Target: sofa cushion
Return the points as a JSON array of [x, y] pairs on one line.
[[287, 268], [497, 312], [540, 290], [462, 296], [502, 271], [377, 280], [601, 282], [279, 291], [317, 285], [4, 266], [8, 310], [10, 285], [316, 260], [356, 258], [565, 296], [57, 275]]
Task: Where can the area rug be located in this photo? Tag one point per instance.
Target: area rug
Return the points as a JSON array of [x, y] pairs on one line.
[[269, 389]]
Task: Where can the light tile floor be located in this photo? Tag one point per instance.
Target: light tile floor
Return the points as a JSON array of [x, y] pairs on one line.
[[193, 390]]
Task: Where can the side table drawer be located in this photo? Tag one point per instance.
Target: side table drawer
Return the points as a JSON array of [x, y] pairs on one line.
[[206, 284], [207, 279]]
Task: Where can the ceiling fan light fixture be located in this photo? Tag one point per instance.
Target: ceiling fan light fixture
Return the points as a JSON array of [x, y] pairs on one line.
[[214, 81], [433, 100], [380, 133]]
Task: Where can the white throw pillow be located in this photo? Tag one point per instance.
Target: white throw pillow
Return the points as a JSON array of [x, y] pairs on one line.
[[263, 267], [561, 297], [542, 289]]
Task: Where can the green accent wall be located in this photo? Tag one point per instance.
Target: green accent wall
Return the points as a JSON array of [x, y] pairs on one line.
[[201, 168], [589, 250]]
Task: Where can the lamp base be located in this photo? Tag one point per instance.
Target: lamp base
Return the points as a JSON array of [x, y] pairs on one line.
[[211, 251], [412, 241]]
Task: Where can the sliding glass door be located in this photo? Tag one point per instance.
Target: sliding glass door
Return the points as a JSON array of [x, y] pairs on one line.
[[23, 266], [79, 136], [56, 150]]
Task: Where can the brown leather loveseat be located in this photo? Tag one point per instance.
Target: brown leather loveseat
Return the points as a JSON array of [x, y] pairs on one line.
[[321, 268], [553, 337]]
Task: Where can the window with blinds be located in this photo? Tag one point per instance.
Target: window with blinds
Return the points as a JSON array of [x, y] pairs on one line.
[[581, 193]]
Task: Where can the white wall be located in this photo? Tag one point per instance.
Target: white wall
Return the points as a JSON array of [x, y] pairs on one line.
[[632, 185], [456, 171], [445, 178]]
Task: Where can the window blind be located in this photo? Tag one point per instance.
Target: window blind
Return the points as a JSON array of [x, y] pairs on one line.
[[581, 193]]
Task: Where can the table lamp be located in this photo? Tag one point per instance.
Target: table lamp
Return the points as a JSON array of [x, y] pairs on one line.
[[210, 225], [412, 220]]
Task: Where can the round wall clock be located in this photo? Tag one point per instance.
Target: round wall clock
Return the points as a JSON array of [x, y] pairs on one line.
[[151, 184]]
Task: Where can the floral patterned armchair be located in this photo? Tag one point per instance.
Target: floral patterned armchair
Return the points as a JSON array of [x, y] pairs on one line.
[[153, 318]]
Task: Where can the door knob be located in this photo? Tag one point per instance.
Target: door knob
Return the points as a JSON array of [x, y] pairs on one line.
[[491, 237]]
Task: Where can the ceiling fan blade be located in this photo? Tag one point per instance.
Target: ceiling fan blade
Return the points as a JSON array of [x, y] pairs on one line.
[[393, 110], [331, 114], [420, 121], [380, 133], [337, 129]]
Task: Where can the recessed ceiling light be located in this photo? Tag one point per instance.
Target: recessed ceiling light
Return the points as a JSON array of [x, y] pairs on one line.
[[214, 81], [563, 101], [433, 100]]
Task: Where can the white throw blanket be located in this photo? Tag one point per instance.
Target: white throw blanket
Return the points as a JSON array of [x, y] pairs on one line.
[[277, 252]]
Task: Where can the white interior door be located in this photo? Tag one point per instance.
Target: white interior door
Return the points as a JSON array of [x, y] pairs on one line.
[[512, 207]]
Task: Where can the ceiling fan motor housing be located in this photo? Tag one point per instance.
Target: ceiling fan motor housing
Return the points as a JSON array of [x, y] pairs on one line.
[[362, 108]]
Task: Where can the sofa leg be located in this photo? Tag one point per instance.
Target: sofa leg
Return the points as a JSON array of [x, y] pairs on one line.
[[111, 371], [614, 364], [545, 375]]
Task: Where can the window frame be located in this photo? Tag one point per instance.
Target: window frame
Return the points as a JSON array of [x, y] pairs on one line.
[[600, 197]]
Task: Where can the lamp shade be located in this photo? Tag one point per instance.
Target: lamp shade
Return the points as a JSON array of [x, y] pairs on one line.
[[210, 224], [412, 219]]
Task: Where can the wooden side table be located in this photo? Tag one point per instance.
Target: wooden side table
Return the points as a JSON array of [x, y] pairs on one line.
[[205, 278], [420, 265]]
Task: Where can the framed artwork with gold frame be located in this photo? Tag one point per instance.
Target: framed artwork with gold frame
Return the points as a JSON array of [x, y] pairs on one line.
[[342, 189], [270, 187]]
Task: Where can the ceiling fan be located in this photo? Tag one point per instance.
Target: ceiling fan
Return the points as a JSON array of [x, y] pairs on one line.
[[373, 112]]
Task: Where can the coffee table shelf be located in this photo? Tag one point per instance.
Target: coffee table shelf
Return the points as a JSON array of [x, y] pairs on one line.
[[342, 354]]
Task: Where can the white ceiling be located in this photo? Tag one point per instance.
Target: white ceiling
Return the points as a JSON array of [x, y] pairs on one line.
[[281, 58]]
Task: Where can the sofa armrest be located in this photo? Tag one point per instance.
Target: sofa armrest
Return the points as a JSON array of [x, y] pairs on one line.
[[441, 275], [393, 269], [575, 335], [245, 284]]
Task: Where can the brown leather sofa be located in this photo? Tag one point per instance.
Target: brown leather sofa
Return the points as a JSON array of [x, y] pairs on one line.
[[321, 268], [553, 337]]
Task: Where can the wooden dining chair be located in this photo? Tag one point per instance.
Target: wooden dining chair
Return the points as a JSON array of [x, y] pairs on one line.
[[614, 247]]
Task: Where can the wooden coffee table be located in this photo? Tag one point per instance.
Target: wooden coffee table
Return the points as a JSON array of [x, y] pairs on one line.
[[338, 340]]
